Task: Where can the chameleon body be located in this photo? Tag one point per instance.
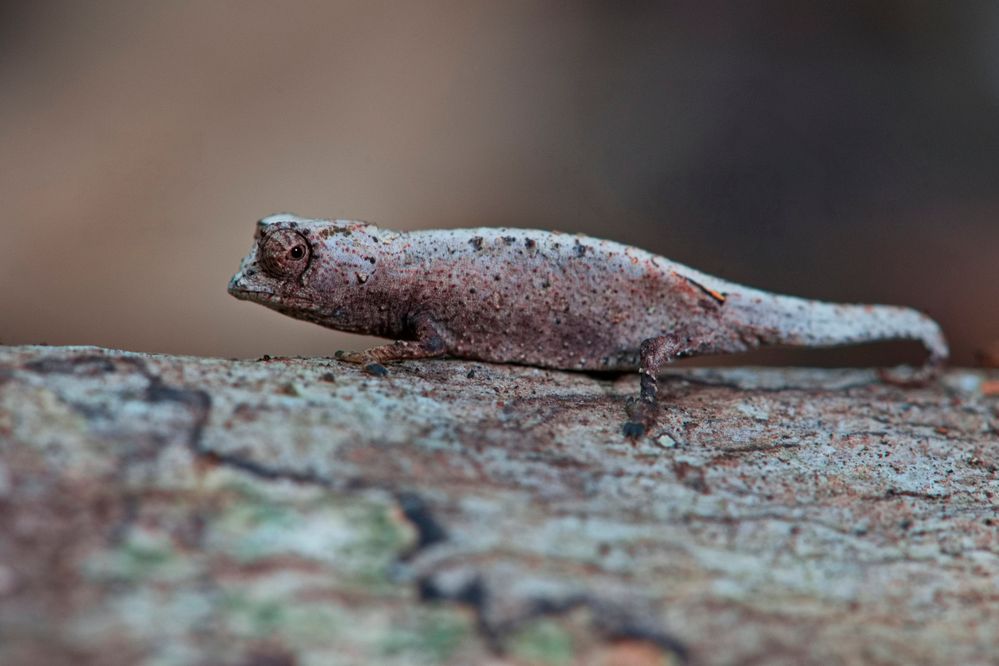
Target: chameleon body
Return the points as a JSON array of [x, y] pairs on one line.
[[539, 298]]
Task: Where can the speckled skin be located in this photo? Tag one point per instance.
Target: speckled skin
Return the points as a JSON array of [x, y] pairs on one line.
[[536, 297]]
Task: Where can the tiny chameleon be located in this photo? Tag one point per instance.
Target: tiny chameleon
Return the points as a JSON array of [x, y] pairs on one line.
[[540, 298]]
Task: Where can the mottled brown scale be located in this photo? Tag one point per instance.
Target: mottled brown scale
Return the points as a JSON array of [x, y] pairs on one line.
[[536, 297]]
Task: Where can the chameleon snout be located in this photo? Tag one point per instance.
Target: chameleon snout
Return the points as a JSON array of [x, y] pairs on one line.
[[236, 283], [245, 280]]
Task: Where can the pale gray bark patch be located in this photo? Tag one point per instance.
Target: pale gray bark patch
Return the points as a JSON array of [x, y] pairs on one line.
[[175, 510]]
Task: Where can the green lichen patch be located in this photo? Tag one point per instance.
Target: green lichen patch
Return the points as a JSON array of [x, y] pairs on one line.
[[354, 539], [543, 643], [143, 556], [432, 638]]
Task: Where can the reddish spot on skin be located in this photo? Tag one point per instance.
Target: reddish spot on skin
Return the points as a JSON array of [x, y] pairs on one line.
[[719, 297]]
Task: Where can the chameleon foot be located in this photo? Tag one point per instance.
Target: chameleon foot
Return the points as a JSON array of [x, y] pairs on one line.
[[641, 417], [363, 359], [376, 369], [633, 429], [349, 356]]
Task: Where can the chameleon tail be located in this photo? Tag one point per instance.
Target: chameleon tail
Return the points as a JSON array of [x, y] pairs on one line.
[[795, 321]]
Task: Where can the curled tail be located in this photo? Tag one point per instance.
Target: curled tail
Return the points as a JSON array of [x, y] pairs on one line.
[[799, 322]]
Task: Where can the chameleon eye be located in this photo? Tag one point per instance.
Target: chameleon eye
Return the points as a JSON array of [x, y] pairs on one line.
[[284, 253]]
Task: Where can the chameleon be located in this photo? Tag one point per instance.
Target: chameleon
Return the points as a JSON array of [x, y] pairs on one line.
[[540, 298]]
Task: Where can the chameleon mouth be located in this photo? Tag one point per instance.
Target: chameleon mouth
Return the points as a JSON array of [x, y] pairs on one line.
[[269, 298], [244, 294], [244, 289]]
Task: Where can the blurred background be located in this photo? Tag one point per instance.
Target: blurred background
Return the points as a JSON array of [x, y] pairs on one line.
[[843, 151]]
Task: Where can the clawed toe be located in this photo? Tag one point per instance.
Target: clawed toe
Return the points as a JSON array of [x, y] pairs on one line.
[[376, 369], [633, 429]]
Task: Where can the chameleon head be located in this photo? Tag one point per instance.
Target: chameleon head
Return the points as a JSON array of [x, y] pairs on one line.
[[274, 271], [300, 267]]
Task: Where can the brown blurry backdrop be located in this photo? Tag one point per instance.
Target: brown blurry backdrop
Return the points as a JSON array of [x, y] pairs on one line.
[[845, 151]]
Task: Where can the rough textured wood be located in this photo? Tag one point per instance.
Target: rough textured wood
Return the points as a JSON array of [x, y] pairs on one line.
[[169, 510]]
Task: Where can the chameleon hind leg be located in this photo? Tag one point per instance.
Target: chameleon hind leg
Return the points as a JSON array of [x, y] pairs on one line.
[[654, 355]]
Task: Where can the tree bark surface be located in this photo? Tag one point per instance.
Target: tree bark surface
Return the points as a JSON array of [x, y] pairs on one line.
[[174, 510]]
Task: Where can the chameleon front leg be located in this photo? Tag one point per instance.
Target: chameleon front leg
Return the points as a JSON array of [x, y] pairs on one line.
[[428, 344], [654, 355]]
